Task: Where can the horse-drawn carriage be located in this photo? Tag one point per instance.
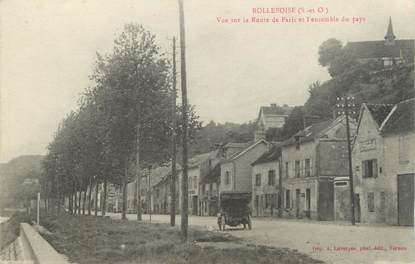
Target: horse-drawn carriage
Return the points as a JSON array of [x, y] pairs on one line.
[[234, 209]]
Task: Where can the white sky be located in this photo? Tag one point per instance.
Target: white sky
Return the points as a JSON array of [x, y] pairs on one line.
[[48, 49]]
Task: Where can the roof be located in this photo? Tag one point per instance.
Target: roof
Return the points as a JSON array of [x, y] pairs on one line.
[[378, 49], [275, 110], [310, 132], [389, 32], [160, 173], [198, 159], [401, 119], [212, 176], [242, 152], [272, 155], [237, 144], [379, 111]]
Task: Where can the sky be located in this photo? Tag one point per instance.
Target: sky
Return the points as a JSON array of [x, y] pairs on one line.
[[48, 49]]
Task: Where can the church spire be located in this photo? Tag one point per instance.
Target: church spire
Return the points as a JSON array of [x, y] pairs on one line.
[[390, 37]]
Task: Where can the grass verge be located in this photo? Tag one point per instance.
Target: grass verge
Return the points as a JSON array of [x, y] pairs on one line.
[[102, 240]]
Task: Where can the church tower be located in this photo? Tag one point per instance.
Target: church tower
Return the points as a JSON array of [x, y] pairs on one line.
[[390, 37]]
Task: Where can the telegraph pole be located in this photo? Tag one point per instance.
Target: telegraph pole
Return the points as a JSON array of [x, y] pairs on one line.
[[280, 195], [184, 213], [346, 103], [173, 145], [137, 171]]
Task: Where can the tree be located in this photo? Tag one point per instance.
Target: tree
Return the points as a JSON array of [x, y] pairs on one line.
[[134, 89], [294, 123]]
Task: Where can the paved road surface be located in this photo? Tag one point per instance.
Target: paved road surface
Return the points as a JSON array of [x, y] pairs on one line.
[[328, 241]]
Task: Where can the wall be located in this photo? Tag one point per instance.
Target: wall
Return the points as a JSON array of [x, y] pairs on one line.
[[369, 145], [264, 188], [394, 164], [290, 154], [227, 166], [243, 169]]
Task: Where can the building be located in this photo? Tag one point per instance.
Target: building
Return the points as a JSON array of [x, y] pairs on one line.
[[270, 117], [265, 183], [209, 186], [149, 178], [384, 166], [390, 51], [236, 170], [315, 171]]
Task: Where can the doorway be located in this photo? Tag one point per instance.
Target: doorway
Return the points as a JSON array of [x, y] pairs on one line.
[[308, 202], [297, 202], [406, 199]]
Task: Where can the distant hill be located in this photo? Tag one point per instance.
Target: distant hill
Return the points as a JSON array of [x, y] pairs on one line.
[[14, 172], [217, 133]]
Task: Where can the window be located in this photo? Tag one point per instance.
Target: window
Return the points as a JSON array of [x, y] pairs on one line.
[[195, 182], [307, 167], [371, 202], [258, 180], [286, 170], [287, 199], [369, 168], [297, 168], [267, 201], [203, 188], [271, 177], [227, 177]]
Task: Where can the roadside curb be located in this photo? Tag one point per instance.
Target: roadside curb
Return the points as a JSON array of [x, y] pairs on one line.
[[37, 249]]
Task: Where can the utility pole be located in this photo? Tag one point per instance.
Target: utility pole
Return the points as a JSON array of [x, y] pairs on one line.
[[173, 145], [149, 190], [346, 104], [280, 204], [185, 209], [137, 171]]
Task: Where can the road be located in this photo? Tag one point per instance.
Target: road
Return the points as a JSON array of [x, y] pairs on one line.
[[328, 241]]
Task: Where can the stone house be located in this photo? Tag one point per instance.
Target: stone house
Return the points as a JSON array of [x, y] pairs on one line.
[[384, 166], [265, 183], [236, 171], [270, 117], [312, 160]]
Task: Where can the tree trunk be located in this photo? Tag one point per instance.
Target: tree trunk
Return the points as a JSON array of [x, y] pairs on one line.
[[89, 198], [58, 198], [79, 201], [137, 168], [70, 203], [104, 199], [124, 191], [84, 201], [75, 197], [96, 198]]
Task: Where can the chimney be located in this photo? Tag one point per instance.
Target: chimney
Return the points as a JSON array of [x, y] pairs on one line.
[[274, 105]]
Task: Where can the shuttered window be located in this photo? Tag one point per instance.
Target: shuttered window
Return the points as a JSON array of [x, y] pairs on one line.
[[369, 168]]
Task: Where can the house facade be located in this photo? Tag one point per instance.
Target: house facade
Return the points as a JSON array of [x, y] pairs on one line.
[[269, 117], [265, 183], [209, 187], [236, 171], [313, 161], [383, 158]]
